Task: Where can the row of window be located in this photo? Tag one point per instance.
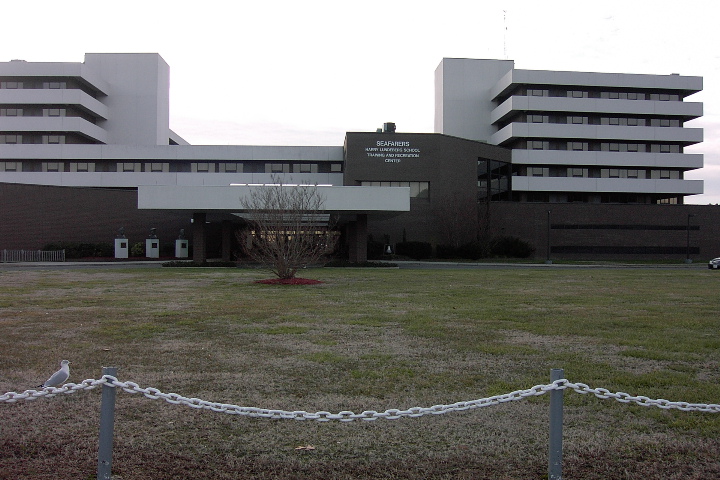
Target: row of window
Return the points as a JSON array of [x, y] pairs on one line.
[[585, 172], [598, 146], [584, 197], [624, 250], [14, 139], [417, 189], [44, 112], [39, 83], [599, 120], [591, 93], [50, 166], [159, 167], [17, 85]]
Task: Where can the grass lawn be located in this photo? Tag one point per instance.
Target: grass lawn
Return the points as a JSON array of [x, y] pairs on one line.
[[365, 339]]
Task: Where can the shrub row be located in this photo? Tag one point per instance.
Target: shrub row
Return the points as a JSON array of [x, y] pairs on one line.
[[505, 247]]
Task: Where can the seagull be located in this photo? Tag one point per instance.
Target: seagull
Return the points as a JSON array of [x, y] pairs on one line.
[[58, 377]]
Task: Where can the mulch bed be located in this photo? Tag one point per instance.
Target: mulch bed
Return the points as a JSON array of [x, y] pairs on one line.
[[289, 281]]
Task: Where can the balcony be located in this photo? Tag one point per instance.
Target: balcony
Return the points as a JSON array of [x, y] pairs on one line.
[[55, 99], [516, 130], [607, 185], [682, 161], [601, 106], [53, 125]]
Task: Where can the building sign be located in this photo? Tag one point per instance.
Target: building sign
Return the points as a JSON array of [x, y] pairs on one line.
[[392, 151]]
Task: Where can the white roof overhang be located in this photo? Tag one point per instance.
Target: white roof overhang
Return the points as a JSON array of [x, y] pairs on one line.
[[341, 200]]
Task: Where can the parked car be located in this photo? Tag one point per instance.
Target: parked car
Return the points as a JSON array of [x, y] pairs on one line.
[[714, 263]]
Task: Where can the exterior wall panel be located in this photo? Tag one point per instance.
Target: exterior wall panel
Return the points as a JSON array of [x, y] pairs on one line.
[[611, 231], [449, 164]]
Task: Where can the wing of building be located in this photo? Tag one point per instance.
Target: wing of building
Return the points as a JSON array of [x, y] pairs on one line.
[[86, 149]]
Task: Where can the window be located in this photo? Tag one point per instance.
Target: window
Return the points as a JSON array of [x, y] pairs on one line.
[[577, 172], [127, 167], [538, 93], [10, 167], [11, 112], [614, 121], [577, 94], [54, 85], [11, 85], [203, 167], [423, 189], [664, 148], [52, 166], [417, 189], [578, 145], [156, 167], [632, 173], [336, 167], [10, 139], [231, 167], [614, 147], [577, 197], [54, 112], [578, 120], [664, 122], [537, 145], [305, 168], [82, 167], [538, 172], [613, 95], [664, 97], [276, 168], [633, 147], [536, 118], [632, 121], [53, 139]]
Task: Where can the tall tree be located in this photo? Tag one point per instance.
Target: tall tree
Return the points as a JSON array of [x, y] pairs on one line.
[[288, 227]]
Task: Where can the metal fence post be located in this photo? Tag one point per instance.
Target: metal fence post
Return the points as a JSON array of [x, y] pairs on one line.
[[107, 425], [556, 425]]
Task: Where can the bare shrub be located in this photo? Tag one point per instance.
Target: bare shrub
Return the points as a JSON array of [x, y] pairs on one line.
[[288, 227]]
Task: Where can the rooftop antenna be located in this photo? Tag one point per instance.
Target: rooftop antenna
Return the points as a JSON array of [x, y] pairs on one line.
[[505, 34]]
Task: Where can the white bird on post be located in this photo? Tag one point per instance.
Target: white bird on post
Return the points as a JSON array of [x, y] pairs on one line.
[[59, 377]]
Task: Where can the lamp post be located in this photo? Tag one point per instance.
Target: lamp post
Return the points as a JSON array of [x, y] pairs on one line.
[[687, 244], [548, 261]]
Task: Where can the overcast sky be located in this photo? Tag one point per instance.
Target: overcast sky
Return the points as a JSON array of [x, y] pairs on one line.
[[304, 73]]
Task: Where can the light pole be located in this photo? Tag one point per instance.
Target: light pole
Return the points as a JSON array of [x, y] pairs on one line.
[[548, 261], [687, 244]]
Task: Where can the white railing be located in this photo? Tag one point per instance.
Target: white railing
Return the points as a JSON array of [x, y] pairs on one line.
[[10, 256]]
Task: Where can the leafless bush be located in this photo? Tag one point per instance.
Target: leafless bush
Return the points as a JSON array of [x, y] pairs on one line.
[[288, 227]]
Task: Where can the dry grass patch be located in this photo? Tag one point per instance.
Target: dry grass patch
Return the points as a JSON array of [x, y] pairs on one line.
[[365, 339]]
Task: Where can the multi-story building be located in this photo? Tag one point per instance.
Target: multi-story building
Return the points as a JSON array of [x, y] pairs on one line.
[[577, 136], [86, 148]]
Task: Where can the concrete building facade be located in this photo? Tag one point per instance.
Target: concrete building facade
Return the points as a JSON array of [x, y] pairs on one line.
[[580, 165], [577, 136]]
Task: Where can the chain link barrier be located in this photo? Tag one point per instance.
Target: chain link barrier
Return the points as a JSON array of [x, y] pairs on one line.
[[348, 416]]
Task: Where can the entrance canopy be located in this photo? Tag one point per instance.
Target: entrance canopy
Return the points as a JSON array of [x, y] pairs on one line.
[[359, 200], [352, 203]]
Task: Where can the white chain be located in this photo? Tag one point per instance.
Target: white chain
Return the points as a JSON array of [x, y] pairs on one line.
[[49, 392], [641, 400], [347, 416]]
